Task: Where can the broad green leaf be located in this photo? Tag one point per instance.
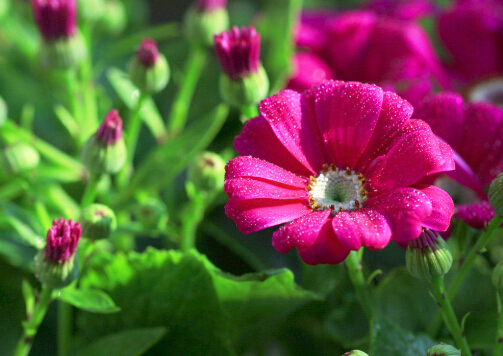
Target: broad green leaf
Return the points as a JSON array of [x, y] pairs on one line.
[[15, 253], [129, 94], [94, 301], [391, 340], [29, 230], [395, 295], [133, 342], [277, 28]]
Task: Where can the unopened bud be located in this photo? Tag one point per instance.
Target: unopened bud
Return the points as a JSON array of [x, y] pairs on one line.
[[105, 151], [91, 10], [355, 353], [207, 172], [114, 19], [152, 213], [56, 265], [496, 194], [18, 158], [63, 53], [428, 256], [98, 221], [204, 19], [443, 350], [149, 69]]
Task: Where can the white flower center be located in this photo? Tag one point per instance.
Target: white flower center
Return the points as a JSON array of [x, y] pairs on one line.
[[336, 189], [489, 91]]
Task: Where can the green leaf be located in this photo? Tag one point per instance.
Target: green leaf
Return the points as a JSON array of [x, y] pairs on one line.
[[397, 292], [29, 230], [67, 120], [15, 253], [134, 342], [277, 28], [391, 340], [94, 301], [130, 94]]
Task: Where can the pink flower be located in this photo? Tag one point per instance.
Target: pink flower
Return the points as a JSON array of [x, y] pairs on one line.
[[308, 70], [55, 18], [110, 130], [62, 239], [210, 5], [238, 51], [472, 31], [475, 132], [343, 165], [147, 53], [359, 45], [405, 10]]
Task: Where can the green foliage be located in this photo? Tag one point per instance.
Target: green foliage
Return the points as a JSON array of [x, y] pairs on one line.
[[205, 309], [94, 301]]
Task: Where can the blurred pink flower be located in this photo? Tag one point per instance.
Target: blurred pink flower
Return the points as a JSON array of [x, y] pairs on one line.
[[402, 9], [55, 18], [362, 46], [343, 165], [475, 132], [472, 32]]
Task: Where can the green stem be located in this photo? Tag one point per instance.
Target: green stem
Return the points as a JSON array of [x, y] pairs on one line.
[[180, 108], [73, 95], [10, 131], [133, 132], [449, 317], [87, 88], [465, 267], [193, 215], [498, 342], [30, 327], [249, 111], [64, 327], [353, 262], [91, 190]]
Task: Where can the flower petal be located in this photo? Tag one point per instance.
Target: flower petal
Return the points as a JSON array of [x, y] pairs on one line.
[[258, 139], [415, 152], [476, 215], [364, 227], [405, 209], [251, 188], [258, 168], [300, 233], [257, 214], [293, 122], [442, 208], [347, 114]]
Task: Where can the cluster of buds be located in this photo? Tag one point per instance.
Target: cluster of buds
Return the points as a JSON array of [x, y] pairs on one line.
[[62, 46], [428, 256], [205, 18], [105, 151], [149, 69], [56, 265], [244, 80]]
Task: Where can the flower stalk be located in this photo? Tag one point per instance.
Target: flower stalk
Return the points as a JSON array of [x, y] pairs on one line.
[[355, 271]]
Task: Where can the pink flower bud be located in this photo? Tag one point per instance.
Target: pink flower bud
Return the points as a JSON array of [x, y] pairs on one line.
[[62, 240], [110, 130], [238, 51], [210, 5], [55, 18], [147, 53]]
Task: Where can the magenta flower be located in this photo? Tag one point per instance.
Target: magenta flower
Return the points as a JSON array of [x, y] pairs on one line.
[[472, 31], [308, 70], [343, 165], [55, 18], [238, 51], [110, 130], [359, 45], [406, 10], [62, 239], [210, 5], [147, 53], [474, 131]]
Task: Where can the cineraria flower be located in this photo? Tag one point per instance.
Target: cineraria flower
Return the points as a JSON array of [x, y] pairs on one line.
[[55, 18], [474, 131], [343, 165], [472, 31], [359, 45]]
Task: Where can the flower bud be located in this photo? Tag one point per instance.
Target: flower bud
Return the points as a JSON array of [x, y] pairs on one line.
[[428, 256], [152, 213], [496, 194], [149, 69], [62, 53], [91, 10], [98, 221], [105, 151], [205, 18], [114, 20], [244, 81], [56, 265], [497, 276], [443, 350], [18, 158], [355, 353], [207, 172]]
